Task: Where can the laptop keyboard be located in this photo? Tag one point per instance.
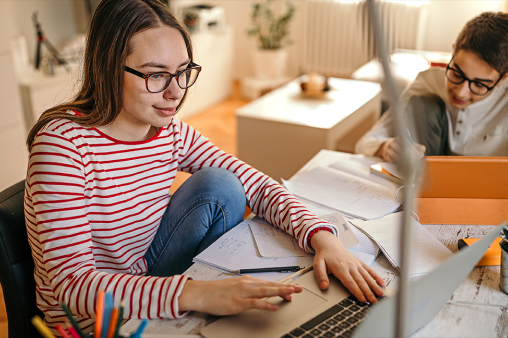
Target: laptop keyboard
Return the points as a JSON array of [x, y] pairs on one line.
[[340, 320]]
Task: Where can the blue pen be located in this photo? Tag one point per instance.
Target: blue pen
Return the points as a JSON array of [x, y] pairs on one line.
[[140, 329], [106, 314], [409, 136]]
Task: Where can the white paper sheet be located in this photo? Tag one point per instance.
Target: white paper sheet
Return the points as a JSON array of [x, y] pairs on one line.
[[236, 250], [273, 242], [346, 234], [427, 252], [344, 192], [360, 166]]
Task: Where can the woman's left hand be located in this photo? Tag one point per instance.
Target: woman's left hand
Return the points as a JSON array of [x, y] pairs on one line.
[[332, 257]]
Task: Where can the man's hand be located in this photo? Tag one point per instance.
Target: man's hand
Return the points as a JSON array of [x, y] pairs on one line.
[[332, 257], [233, 295], [390, 150]]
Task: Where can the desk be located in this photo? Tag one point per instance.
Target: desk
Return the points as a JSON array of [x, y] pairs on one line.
[[279, 132], [454, 320]]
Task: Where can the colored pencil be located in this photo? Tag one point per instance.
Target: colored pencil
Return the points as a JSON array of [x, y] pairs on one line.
[[112, 323], [73, 332], [72, 320], [140, 329], [106, 313], [62, 332], [98, 314], [119, 321], [42, 328]]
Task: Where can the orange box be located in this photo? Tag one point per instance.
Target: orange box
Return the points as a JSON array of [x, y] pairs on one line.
[[493, 254], [463, 190]]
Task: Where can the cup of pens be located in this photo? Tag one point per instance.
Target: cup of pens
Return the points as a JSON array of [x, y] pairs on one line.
[[503, 278], [107, 322]]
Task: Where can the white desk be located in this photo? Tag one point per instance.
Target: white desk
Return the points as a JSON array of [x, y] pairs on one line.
[[454, 320], [279, 132]]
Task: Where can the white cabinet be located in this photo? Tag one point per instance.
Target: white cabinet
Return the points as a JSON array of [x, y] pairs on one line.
[[13, 153], [213, 50]]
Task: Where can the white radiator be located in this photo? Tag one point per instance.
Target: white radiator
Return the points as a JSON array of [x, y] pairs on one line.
[[339, 39]]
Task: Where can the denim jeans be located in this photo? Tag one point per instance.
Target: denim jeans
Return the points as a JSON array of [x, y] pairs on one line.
[[206, 206]]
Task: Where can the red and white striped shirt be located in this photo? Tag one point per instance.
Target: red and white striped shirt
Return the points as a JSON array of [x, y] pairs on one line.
[[93, 205]]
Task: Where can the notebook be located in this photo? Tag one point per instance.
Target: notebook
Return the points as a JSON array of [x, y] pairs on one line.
[[352, 195], [314, 313]]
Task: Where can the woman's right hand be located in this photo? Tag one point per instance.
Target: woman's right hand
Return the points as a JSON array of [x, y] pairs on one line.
[[232, 295]]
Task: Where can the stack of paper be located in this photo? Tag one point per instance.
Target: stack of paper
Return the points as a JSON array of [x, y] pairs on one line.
[[352, 195], [236, 250], [427, 252]]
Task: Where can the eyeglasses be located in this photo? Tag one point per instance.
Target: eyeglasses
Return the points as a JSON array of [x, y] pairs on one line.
[[457, 77], [157, 82]]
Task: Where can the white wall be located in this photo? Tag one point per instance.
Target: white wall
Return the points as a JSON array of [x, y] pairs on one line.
[[60, 20], [447, 17], [445, 20], [238, 16]]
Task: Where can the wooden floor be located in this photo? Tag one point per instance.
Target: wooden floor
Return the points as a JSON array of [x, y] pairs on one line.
[[218, 124]]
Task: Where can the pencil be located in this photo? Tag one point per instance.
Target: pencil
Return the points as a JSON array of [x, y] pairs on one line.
[[119, 321], [61, 330], [112, 323], [106, 313], [98, 314], [73, 332], [289, 278], [72, 320], [42, 328]]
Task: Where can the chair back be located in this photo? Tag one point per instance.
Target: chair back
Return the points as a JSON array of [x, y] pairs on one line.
[[16, 264]]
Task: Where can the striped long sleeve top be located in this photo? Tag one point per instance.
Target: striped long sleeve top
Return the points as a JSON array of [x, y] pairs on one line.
[[93, 205]]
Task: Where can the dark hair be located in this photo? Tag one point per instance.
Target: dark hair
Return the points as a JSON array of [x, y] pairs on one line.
[[487, 36], [113, 25]]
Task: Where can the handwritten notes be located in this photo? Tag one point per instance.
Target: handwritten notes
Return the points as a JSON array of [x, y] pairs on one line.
[[346, 235], [237, 250], [344, 192], [273, 242]]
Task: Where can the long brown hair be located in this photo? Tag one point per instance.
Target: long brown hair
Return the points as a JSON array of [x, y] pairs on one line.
[[113, 25]]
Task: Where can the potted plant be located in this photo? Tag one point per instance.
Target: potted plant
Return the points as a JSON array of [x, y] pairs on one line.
[[270, 58]]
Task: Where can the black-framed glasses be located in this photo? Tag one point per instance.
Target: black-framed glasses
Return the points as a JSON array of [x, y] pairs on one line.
[[457, 77], [157, 82]]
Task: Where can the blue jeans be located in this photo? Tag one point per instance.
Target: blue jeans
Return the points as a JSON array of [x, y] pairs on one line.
[[207, 205]]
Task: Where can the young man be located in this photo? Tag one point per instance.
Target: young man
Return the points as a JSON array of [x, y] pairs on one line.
[[458, 110]]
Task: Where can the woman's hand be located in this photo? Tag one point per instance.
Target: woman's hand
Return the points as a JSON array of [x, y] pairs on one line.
[[233, 295], [390, 150], [332, 257]]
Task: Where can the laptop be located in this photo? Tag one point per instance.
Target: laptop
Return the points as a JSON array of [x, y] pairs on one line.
[[335, 312]]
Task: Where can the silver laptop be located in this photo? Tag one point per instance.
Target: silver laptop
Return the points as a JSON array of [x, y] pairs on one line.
[[335, 312]]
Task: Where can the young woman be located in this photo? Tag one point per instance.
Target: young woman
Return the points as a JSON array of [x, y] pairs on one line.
[[99, 213]]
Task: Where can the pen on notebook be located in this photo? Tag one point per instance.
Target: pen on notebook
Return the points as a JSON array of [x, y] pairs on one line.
[[277, 269]]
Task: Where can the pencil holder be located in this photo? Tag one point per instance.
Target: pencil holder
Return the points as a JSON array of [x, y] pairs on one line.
[[503, 278]]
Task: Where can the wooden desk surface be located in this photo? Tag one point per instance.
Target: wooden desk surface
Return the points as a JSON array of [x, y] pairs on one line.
[[454, 320]]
